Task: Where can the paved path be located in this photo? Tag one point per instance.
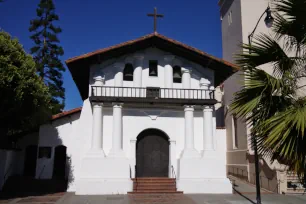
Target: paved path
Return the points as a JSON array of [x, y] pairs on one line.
[[244, 194], [184, 199]]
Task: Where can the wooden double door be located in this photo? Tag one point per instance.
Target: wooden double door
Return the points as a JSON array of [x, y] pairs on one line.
[[152, 154]]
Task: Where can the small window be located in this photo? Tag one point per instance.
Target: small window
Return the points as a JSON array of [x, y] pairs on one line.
[[44, 152], [128, 72], [153, 68], [234, 132], [177, 74], [229, 17]]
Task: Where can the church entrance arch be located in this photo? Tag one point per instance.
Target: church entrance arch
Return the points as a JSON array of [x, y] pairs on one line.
[[152, 154]]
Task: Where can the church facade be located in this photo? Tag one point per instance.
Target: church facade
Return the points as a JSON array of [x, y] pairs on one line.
[[152, 109]]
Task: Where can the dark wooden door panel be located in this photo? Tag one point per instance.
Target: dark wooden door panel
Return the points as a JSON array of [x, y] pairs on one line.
[[152, 156], [30, 161], [59, 166]]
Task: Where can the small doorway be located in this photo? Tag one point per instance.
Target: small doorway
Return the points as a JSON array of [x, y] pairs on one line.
[[30, 161], [59, 166], [152, 154]]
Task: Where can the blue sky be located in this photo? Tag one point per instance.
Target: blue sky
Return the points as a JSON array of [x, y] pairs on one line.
[[89, 25]]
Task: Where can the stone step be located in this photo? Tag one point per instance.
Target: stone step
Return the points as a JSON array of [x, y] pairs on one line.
[[153, 178], [154, 187], [156, 192], [152, 195], [154, 181]]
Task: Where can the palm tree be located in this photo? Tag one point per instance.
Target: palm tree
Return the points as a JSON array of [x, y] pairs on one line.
[[275, 102]]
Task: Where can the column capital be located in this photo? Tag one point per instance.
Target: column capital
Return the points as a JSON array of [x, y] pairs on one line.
[[188, 108], [97, 105], [169, 58], [188, 71], [99, 80], [117, 105], [207, 108], [204, 82], [212, 88]]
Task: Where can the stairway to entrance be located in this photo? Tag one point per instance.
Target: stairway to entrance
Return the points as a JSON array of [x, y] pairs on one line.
[[154, 185]]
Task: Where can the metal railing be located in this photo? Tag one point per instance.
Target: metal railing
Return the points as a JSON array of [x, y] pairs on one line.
[[173, 174], [135, 183], [295, 184], [152, 92], [270, 184]]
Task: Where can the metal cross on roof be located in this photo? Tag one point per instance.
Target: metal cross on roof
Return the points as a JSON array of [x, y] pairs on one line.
[[155, 15]]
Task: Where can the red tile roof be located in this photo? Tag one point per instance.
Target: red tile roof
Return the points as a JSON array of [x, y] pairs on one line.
[[79, 66], [66, 113], [130, 42]]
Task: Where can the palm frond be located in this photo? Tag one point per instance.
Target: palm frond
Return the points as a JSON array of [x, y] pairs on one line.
[[258, 89], [290, 21], [265, 50]]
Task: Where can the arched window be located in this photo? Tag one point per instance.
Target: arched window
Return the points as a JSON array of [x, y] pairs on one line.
[[128, 72], [177, 74]]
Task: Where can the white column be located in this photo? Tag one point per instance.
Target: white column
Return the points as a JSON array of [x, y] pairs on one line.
[[204, 84], [186, 78], [168, 74], [97, 129], [133, 156], [172, 159], [208, 128], [137, 78], [137, 75], [189, 150], [119, 74], [186, 81], [118, 79], [117, 150], [99, 82]]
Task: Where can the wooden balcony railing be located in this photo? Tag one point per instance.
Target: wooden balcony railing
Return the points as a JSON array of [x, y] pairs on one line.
[[152, 92]]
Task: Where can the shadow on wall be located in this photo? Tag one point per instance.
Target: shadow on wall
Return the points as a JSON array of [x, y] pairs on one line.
[[45, 165], [220, 117]]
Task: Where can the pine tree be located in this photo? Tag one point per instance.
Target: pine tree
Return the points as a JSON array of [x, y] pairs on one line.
[[47, 51]]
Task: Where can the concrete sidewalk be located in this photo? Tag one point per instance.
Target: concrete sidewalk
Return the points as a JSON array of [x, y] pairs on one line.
[[184, 199], [244, 193]]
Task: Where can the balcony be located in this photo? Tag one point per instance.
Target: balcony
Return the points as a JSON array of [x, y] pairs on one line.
[[152, 95]]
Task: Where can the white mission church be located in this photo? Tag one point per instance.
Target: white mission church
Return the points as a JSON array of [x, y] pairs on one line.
[[150, 114]]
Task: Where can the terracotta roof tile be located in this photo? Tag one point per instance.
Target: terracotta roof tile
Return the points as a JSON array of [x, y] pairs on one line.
[[101, 51], [66, 113], [79, 66]]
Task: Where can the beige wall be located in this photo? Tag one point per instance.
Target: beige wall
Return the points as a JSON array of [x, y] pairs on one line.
[[231, 38]]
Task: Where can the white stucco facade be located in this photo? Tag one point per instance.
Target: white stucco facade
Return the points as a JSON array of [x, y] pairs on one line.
[[101, 140]]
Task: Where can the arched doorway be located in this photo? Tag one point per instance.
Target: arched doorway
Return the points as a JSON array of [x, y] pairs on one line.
[[152, 154], [59, 166], [30, 161]]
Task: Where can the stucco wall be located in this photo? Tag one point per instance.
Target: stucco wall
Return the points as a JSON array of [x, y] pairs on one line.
[[75, 132], [248, 13], [232, 36], [12, 161], [58, 132], [108, 70]]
